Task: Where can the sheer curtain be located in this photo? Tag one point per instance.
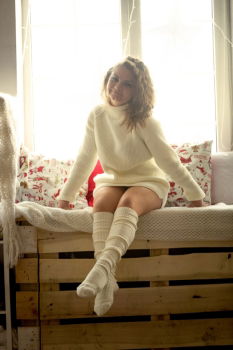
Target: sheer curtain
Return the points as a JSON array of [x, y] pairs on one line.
[[223, 34], [177, 45], [69, 45], [67, 53]]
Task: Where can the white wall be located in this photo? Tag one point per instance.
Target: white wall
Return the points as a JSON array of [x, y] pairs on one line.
[[8, 51]]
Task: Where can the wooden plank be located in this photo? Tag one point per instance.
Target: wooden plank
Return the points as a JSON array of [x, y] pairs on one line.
[[22, 219], [50, 287], [78, 347], [28, 338], [28, 287], [51, 235], [162, 316], [28, 235], [27, 305], [64, 270], [27, 270], [159, 268], [64, 304], [50, 242], [139, 335], [141, 301], [147, 244]]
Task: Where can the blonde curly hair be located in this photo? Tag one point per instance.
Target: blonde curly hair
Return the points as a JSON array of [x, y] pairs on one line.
[[141, 105]]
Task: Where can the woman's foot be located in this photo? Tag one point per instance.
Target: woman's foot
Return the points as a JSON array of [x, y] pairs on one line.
[[95, 281], [104, 299]]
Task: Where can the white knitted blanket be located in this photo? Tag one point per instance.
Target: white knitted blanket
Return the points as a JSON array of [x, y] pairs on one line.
[[176, 224], [8, 156]]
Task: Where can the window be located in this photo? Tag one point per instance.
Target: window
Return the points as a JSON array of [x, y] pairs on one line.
[[177, 45], [74, 42]]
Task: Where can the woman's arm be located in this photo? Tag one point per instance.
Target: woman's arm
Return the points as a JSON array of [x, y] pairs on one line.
[[63, 204], [198, 203], [169, 162]]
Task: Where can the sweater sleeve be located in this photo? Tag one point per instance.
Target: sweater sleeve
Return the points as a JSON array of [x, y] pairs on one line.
[[167, 160], [84, 163]]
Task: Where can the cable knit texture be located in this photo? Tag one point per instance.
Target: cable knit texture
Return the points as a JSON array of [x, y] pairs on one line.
[[8, 159], [141, 157], [209, 223]]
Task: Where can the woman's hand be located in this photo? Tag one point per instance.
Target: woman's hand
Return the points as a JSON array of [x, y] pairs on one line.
[[198, 203], [63, 204]]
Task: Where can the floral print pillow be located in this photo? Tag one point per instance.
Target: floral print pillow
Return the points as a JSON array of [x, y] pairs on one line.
[[196, 158], [41, 179]]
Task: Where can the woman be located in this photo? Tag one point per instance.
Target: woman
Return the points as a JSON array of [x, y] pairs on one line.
[[135, 157]]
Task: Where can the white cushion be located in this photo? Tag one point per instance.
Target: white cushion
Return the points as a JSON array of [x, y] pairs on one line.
[[222, 178]]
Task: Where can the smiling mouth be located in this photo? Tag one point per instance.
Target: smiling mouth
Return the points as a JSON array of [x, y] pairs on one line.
[[116, 96]]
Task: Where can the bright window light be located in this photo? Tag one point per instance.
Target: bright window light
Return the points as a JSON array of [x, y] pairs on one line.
[[74, 42], [177, 45]]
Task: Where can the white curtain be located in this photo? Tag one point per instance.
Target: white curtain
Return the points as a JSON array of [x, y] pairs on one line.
[[223, 34]]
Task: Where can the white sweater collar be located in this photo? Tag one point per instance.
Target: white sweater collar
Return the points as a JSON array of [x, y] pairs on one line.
[[116, 112]]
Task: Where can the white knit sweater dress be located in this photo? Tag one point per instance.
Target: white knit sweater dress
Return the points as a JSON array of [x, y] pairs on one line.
[[137, 158]]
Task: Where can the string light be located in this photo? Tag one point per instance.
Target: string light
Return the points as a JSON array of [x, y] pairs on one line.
[[130, 23]]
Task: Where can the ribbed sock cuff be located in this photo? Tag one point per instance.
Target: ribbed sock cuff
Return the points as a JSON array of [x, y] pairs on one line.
[[126, 211], [101, 225], [102, 222]]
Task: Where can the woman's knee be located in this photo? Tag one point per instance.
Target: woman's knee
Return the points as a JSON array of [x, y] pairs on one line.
[[127, 201], [101, 204], [140, 199], [107, 199]]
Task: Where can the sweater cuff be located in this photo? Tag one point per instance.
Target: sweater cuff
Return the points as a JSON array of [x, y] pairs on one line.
[[191, 196]]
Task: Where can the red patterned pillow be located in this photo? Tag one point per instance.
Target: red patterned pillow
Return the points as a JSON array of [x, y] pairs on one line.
[[196, 158], [41, 180]]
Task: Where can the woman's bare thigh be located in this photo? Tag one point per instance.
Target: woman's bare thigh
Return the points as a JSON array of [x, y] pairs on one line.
[[141, 199], [107, 198]]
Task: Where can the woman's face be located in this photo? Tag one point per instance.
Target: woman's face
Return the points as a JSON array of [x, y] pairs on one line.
[[121, 86]]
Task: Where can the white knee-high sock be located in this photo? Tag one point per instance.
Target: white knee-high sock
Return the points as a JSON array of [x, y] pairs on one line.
[[121, 235], [102, 222], [104, 298]]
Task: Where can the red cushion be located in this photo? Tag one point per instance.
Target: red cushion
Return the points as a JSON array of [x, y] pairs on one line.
[[91, 185]]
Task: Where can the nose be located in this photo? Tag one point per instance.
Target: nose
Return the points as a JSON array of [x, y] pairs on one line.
[[117, 86]]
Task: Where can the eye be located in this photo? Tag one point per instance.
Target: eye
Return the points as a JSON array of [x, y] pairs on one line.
[[113, 79], [129, 85]]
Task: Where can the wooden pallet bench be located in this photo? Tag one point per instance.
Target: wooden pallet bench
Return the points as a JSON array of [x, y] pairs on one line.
[[172, 295]]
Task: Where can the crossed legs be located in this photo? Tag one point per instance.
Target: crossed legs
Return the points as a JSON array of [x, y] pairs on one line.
[[123, 205], [102, 222]]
